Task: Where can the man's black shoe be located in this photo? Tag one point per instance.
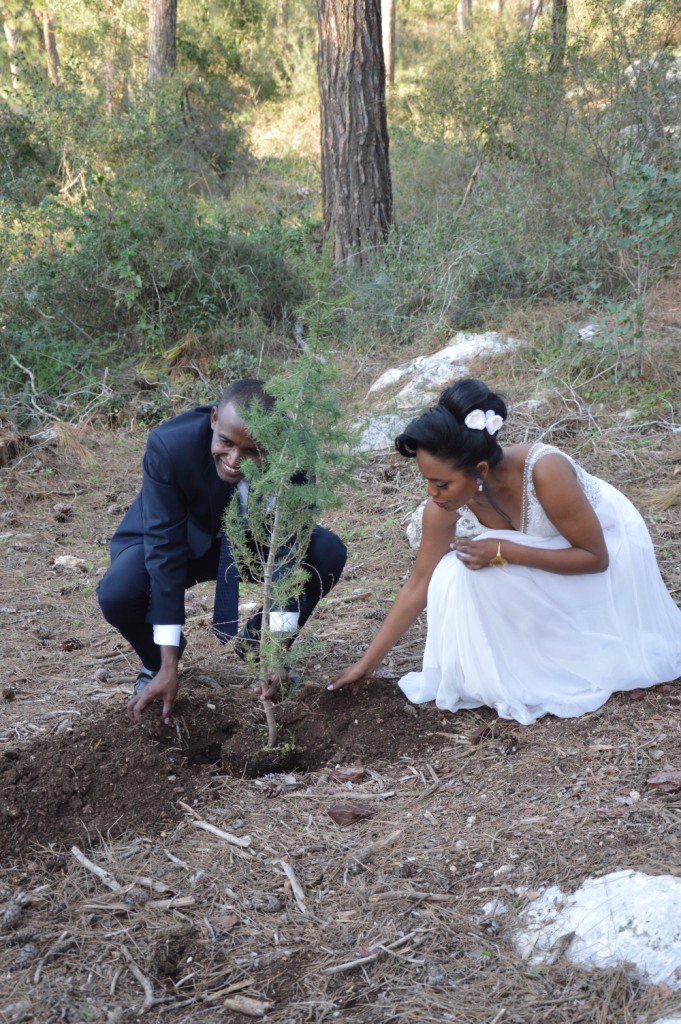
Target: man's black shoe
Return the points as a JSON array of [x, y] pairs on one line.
[[143, 679], [247, 640]]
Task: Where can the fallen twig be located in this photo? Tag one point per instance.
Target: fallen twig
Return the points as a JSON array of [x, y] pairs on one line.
[[147, 987], [190, 810], [351, 795], [242, 841], [296, 887], [245, 1004], [366, 852], [103, 875], [352, 964]]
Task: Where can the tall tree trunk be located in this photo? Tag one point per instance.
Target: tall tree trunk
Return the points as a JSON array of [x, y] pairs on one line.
[[356, 185], [465, 12], [500, 7], [13, 37], [559, 16], [388, 22], [162, 56], [115, 63], [50, 45]]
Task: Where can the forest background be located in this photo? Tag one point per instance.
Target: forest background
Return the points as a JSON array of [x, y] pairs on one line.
[[163, 234], [163, 237]]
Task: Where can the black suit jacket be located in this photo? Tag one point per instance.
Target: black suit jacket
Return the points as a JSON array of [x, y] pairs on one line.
[[178, 513]]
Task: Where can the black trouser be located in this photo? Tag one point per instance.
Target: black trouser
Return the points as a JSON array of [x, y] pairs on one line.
[[124, 591]]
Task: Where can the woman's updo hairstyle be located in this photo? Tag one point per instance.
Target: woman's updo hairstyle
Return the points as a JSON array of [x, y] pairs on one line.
[[442, 432]]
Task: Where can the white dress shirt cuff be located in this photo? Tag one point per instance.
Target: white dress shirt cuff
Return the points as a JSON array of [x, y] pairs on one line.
[[167, 636], [283, 622]]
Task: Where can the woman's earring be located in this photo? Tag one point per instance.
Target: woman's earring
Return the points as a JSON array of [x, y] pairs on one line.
[[481, 484]]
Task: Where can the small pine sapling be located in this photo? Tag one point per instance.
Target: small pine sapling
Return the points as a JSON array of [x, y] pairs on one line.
[[305, 458]]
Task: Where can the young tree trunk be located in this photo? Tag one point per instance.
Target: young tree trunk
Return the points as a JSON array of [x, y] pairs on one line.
[[162, 56], [356, 185], [465, 12], [50, 46], [13, 37], [559, 15], [388, 23]]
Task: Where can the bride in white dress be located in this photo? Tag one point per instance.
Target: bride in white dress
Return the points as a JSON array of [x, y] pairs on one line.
[[555, 603]]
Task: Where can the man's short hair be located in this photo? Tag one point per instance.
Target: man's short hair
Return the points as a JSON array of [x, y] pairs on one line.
[[243, 392]]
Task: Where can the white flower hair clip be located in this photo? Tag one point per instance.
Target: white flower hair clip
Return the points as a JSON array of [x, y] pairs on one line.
[[490, 421]]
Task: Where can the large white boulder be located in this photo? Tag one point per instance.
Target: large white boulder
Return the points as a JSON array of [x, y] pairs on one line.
[[623, 917], [424, 377]]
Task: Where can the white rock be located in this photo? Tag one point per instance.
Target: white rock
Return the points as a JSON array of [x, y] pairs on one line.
[[443, 366], [623, 917], [467, 526], [380, 432], [70, 562], [415, 526], [495, 908]]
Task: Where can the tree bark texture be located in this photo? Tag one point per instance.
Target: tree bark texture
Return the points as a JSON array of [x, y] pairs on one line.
[[356, 185], [465, 12], [50, 45], [13, 37], [559, 16], [162, 55], [388, 21]]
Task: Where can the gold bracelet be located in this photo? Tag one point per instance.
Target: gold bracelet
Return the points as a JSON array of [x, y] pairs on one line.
[[498, 558]]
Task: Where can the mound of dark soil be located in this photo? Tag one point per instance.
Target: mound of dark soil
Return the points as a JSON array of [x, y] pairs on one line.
[[317, 727], [107, 777]]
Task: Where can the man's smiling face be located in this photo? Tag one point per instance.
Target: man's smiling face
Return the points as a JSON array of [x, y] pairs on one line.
[[231, 443]]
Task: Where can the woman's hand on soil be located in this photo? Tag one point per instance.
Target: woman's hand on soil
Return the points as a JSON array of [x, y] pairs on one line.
[[353, 676]]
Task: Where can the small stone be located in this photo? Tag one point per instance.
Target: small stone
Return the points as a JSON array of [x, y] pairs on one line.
[[265, 902], [101, 675], [70, 562]]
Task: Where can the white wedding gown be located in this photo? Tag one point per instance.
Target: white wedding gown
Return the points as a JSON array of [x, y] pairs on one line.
[[529, 642]]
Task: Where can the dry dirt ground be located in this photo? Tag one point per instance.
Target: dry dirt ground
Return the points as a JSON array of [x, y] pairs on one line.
[[118, 897]]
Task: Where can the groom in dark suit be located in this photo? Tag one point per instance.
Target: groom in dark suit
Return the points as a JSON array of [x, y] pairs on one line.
[[170, 539]]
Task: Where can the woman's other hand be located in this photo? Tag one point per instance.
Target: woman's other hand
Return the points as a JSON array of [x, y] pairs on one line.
[[354, 676]]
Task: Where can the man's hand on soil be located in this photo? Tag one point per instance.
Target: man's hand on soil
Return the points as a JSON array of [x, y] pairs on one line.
[[164, 686], [271, 690]]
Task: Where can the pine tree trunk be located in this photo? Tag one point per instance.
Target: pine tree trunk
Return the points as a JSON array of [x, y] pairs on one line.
[[50, 45], [356, 185], [388, 20], [559, 16], [465, 12], [13, 37], [162, 54]]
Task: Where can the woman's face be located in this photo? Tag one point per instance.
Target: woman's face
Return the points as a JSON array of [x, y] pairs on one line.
[[449, 488]]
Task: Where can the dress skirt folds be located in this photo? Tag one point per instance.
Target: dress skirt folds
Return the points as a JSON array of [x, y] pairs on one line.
[[529, 642]]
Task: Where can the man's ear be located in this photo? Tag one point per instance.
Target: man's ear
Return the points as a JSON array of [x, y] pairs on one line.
[[213, 416]]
